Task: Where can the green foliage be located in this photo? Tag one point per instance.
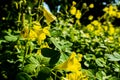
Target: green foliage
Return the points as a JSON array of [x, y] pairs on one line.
[[36, 48]]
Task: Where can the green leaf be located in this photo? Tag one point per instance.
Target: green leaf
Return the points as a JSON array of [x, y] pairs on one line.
[[54, 59], [46, 52], [100, 62], [11, 38], [55, 42], [100, 75], [113, 57], [23, 76], [29, 68], [89, 57], [114, 78], [44, 73], [32, 60], [54, 55], [90, 73], [86, 63]]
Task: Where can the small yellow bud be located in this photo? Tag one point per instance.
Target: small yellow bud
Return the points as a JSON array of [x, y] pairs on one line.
[[90, 17], [73, 3], [91, 6]]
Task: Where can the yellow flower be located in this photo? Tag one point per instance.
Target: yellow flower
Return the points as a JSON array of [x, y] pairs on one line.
[[118, 14], [78, 14], [96, 23], [110, 38], [72, 64], [105, 28], [91, 6], [111, 30], [90, 27], [46, 31], [74, 75], [73, 3], [112, 13], [90, 17], [97, 32], [73, 10], [41, 38], [32, 35], [106, 9], [49, 16]]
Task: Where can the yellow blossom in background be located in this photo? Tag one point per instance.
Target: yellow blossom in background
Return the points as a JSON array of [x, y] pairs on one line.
[[95, 22], [106, 9], [111, 38], [112, 13], [90, 27], [105, 28], [111, 10], [90, 17], [91, 6], [72, 64], [78, 14], [73, 10], [111, 30], [73, 3], [97, 32]]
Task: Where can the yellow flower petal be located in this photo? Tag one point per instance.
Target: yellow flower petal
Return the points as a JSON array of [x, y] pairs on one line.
[[49, 16], [72, 64], [78, 14], [73, 10]]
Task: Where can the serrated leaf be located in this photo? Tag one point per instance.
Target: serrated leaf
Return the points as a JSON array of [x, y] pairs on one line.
[[23, 76], [29, 68]]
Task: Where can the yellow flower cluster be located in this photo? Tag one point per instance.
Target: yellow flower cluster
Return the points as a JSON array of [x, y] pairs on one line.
[[73, 65], [112, 11], [35, 33], [74, 11], [98, 28]]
